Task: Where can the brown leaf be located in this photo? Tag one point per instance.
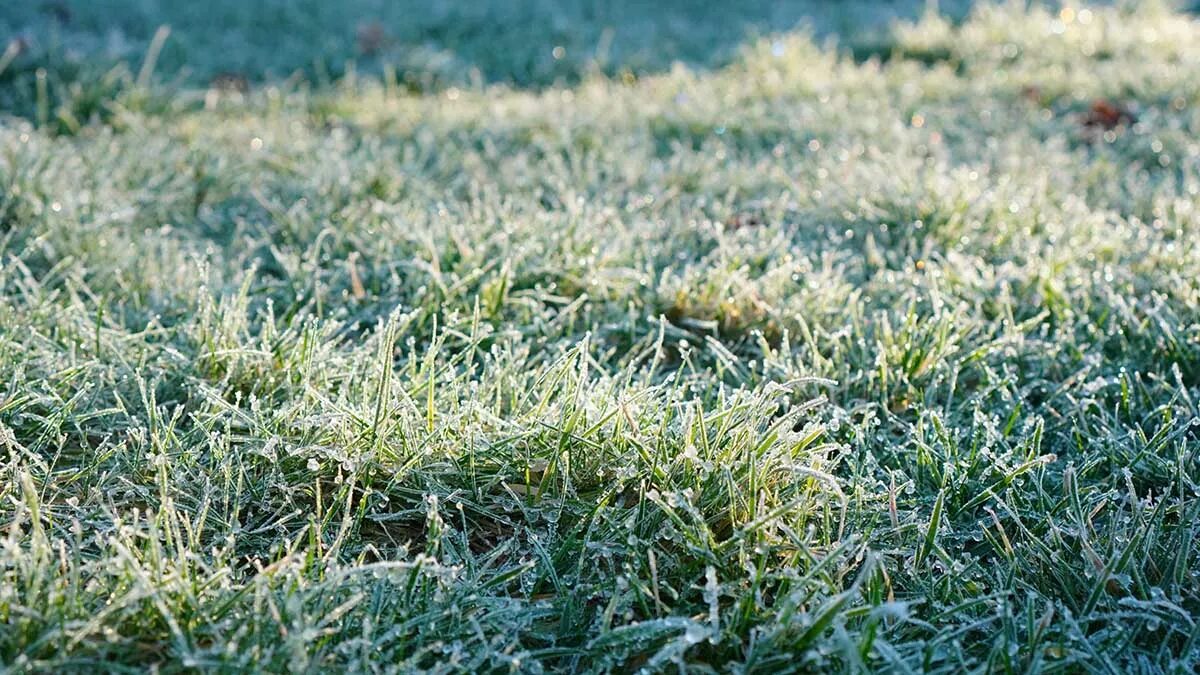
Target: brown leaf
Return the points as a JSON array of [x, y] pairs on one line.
[[1107, 115], [743, 220]]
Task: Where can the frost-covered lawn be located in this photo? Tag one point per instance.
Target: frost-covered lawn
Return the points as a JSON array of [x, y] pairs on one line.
[[454, 352]]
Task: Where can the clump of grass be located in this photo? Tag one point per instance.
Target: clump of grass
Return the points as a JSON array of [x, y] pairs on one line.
[[804, 362]]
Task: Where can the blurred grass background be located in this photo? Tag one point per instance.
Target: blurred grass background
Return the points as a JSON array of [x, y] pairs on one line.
[[72, 58], [524, 42]]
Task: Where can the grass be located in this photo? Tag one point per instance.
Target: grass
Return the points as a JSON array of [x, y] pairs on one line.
[[803, 355]]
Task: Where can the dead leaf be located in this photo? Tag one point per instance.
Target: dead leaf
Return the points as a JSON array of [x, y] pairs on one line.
[[743, 220], [521, 489], [1108, 115]]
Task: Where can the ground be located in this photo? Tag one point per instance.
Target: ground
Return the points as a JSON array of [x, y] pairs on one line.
[[599, 338]]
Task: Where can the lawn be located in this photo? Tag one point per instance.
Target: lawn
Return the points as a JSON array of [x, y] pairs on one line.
[[599, 337]]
